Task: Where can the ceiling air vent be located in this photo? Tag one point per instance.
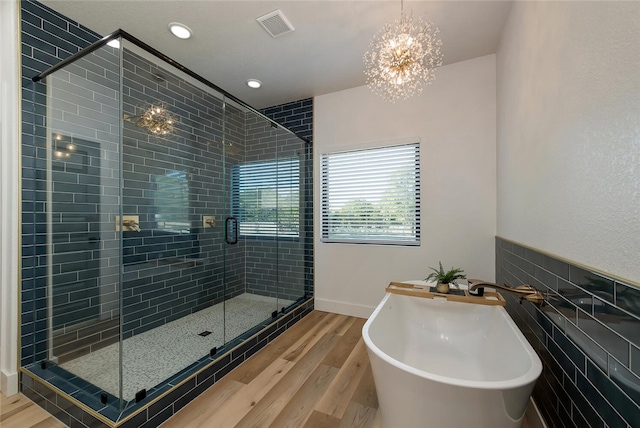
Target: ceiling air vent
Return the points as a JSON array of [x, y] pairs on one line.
[[275, 23]]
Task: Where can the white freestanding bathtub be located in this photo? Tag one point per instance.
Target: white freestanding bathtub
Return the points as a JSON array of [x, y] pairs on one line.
[[441, 364]]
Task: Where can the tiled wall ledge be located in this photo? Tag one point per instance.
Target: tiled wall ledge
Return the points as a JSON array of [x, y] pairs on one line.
[[587, 336], [54, 394]]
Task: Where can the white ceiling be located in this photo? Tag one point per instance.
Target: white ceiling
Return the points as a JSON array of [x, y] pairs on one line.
[[323, 54]]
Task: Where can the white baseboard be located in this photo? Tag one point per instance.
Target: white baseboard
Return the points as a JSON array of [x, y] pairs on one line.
[[9, 383], [343, 308]]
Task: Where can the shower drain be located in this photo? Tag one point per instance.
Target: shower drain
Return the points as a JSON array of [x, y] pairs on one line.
[[204, 333]]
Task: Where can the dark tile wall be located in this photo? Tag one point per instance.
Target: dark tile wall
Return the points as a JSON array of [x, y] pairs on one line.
[[587, 336], [296, 116], [275, 268], [47, 38]]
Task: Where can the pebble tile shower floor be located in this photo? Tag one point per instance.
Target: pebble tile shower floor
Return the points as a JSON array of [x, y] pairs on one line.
[[155, 355]]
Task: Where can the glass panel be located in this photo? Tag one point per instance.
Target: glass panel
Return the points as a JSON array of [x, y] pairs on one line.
[[83, 201], [251, 262], [291, 204], [173, 287]]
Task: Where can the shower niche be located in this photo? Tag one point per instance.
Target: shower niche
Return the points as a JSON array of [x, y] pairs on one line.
[[176, 229]]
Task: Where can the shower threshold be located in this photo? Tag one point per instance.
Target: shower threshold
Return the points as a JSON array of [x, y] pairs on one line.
[[152, 357]]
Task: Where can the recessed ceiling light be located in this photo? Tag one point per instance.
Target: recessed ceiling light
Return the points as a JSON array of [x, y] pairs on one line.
[[115, 43], [179, 30], [254, 83]]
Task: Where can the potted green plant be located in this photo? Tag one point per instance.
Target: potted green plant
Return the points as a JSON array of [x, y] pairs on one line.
[[443, 279]]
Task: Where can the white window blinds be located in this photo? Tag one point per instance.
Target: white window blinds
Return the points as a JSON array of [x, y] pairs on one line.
[[372, 196], [266, 197]]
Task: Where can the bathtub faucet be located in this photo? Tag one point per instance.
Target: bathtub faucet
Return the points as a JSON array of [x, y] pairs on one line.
[[524, 291]]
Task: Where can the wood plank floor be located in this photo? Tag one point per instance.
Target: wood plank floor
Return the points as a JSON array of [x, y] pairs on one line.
[[317, 374], [18, 411]]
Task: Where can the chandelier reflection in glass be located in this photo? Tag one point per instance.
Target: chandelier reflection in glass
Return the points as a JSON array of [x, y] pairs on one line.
[[402, 57], [155, 119]]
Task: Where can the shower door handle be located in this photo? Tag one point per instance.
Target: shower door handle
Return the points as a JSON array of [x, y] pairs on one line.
[[231, 230]]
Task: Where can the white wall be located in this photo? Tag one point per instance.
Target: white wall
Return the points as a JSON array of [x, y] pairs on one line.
[[569, 132], [9, 176], [455, 120]]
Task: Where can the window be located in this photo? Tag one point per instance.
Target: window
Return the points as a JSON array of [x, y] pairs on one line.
[[372, 196], [266, 197]]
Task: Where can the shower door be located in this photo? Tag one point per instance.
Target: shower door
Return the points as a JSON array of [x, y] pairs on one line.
[[264, 227], [250, 221]]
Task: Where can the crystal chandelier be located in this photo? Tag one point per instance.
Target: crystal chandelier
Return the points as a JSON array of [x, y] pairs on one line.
[[155, 119], [402, 57]]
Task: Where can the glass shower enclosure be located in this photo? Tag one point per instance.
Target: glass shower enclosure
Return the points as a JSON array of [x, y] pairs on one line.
[[175, 220]]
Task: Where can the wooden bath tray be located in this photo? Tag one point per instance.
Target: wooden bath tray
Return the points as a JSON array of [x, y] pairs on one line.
[[491, 298]]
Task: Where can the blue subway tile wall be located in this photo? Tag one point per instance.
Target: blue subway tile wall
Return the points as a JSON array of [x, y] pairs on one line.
[[296, 116], [587, 336], [47, 38]]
